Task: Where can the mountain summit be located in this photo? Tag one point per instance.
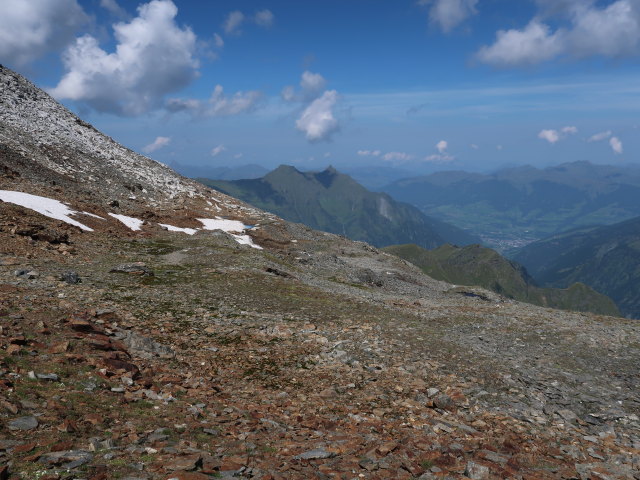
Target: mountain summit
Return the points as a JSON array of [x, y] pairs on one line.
[[334, 202]]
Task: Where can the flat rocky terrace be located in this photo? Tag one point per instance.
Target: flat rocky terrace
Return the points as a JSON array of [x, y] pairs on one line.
[[195, 357]]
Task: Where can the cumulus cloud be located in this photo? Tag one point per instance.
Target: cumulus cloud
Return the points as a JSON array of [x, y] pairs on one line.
[[616, 145], [215, 151], [157, 144], [442, 156], [311, 86], [233, 23], [610, 31], [598, 137], [29, 29], [317, 120], [448, 14], [551, 136], [535, 44], [218, 41], [113, 7], [554, 136], [264, 18], [218, 105], [153, 57]]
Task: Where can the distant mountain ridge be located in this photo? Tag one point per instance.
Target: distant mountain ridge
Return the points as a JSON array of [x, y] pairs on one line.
[[606, 258], [475, 265], [334, 202], [516, 206]]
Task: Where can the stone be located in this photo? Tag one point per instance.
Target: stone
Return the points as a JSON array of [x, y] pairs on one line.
[[52, 377], [23, 423], [73, 458], [133, 269], [443, 402], [475, 471], [314, 454], [71, 277]]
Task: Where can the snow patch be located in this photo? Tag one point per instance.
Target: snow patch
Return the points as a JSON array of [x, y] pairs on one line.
[[171, 228], [131, 222], [45, 206], [235, 228], [229, 226]]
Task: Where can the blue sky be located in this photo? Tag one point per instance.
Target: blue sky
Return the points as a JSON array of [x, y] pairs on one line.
[[418, 85]]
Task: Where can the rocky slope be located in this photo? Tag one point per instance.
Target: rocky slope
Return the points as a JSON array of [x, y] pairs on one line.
[[156, 353], [333, 202], [483, 267]]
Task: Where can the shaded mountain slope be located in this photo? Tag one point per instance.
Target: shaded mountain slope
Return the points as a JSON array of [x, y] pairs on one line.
[[606, 258], [480, 266], [334, 202]]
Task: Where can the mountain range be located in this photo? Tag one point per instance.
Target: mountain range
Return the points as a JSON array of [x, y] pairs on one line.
[[151, 327], [475, 265], [606, 258], [516, 206], [334, 202]]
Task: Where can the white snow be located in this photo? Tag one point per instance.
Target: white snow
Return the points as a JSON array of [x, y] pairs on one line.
[[92, 215], [45, 206], [131, 222], [232, 227], [229, 226], [171, 228]]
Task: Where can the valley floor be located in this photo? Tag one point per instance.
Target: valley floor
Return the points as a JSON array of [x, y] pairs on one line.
[[322, 358]]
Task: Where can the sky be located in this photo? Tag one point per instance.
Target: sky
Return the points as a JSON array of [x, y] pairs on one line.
[[416, 85]]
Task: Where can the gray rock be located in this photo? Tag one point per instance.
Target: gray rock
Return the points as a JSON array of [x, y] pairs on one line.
[[133, 268], [47, 376], [23, 423], [71, 277], [476, 471], [313, 454], [73, 458], [144, 347], [444, 402]]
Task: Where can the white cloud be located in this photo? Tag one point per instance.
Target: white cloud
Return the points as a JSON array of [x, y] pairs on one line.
[[157, 144], [499, 147], [554, 136], [29, 29], [532, 45], [397, 157], [113, 7], [233, 22], [153, 57], [264, 18], [218, 105], [238, 155], [218, 41], [474, 146], [218, 150], [439, 158], [442, 146], [311, 86], [598, 137], [611, 31], [616, 145], [448, 14], [551, 136], [369, 153], [317, 120]]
